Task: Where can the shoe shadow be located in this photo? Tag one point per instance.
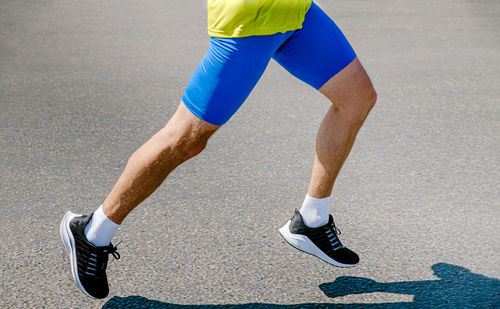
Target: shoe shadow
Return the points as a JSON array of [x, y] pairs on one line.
[[456, 287]]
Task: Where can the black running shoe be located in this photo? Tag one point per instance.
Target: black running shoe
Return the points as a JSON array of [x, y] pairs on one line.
[[88, 262], [321, 241]]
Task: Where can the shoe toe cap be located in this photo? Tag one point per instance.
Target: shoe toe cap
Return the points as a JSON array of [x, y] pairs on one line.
[[346, 256], [96, 288]]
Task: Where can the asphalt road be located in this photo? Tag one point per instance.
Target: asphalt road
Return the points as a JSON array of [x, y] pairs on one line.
[[84, 83]]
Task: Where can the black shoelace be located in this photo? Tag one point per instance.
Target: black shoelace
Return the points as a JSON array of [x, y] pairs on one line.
[[112, 250], [101, 259], [331, 232]]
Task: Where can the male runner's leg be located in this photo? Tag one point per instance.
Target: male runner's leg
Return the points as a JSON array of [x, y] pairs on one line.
[[320, 55], [221, 83], [87, 237]]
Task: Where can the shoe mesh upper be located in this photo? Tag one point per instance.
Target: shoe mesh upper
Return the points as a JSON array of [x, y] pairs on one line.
[[92, 261]]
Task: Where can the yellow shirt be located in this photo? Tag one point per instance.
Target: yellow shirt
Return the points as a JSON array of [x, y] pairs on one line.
[[240, 18]]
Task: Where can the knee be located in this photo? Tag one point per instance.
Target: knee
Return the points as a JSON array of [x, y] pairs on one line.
[[185, 135], [180, 144], [371, 99], [358, 109], [191, 148]]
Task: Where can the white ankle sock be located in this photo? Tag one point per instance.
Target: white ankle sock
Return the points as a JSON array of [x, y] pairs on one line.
[[314, 211], [100, 230]]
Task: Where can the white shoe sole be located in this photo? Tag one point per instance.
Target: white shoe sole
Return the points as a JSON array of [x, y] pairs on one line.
[[69, 243], [303, 243]]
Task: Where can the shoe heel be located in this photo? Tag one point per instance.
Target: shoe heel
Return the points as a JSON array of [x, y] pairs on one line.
[[298, 241]]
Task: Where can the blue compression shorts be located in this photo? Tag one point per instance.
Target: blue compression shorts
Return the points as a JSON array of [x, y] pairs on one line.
[[232, 66]]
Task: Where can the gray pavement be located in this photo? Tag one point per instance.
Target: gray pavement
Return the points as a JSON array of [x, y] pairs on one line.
[[84, 83]]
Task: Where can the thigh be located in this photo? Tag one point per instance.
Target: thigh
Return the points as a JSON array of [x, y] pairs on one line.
[[227, 74], [316, 52]]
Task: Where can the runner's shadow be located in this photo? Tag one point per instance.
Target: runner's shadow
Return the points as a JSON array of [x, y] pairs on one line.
[[456, 287]]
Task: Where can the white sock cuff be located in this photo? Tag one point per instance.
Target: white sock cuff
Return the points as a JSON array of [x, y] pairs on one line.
[[313, 199], [100, 230], [315, 211], [101, 218]]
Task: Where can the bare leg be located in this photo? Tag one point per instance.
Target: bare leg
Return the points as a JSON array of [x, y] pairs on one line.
[[353, 96], [184, 136]]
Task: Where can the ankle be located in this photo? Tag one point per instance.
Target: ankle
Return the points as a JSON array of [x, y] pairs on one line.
[[100, 229], [315, 211]]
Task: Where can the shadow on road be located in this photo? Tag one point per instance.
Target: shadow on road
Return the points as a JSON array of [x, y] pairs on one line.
[[456, 287]]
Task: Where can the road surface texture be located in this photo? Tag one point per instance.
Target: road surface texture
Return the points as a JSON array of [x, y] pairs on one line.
[[84, 83]]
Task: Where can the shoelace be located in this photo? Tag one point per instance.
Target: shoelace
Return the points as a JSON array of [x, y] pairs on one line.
[[92, 264], [331, 232], [113, 252]]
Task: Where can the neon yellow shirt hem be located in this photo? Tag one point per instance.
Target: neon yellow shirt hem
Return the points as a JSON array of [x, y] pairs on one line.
[[240, 33], [243, 18]]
